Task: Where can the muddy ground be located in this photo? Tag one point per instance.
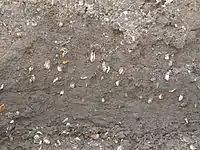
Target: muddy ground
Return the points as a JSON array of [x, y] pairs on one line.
[[99, 74]]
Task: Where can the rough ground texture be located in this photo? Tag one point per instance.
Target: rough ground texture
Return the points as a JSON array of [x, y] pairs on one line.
[[139, 92]]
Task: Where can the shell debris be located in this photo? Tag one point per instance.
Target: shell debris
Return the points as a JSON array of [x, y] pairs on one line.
[[92, 56], [121, 70], [55, 80], [47, 64], [117, 83], [2, 108], [62, 92], [32, 79], [167, 57], [180, 98], [59, 68], [2, 86], [104, 67], [167, 75]]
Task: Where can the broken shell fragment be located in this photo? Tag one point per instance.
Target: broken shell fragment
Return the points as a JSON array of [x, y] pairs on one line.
[[180, 98], [47, 64], [92, 56], [2, 86], [59, 68], [167, 75]]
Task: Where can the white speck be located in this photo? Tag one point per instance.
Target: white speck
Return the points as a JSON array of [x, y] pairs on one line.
[[167, 75], [59, 143], [170, 63], [167, 57], [184, 28], [104, 68], [77, 139], [32, 79], [150, 100], [195, 105], [121, 70], [84, 77], [117, 83], [106, 19], [64, 51], [160, 96], [102, 77], [92, 56], [176, 25], [52, 2], [192, 147], [68, 124], [46, 141], [120, 147], [12, 121], [34, 24], [30, 69], [186, 120], [66, 119], [72, 85], [171, 91], [62, 92], [17, 112], [103, 100], [2, 86], [59, 68], [60, 24], [55, 80], [180, 98], [47, 64]]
